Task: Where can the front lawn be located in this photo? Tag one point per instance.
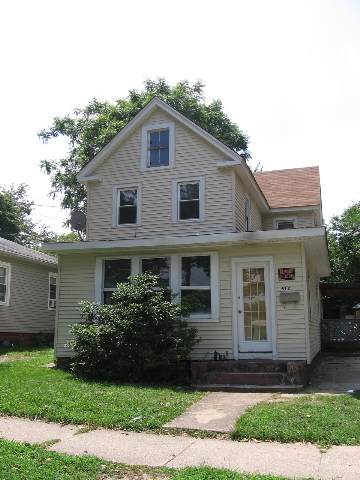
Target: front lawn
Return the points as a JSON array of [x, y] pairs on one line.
[[30, 389], [319, 419], [24, 462]]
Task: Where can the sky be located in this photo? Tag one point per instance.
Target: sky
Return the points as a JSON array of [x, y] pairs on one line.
[[287, 72]]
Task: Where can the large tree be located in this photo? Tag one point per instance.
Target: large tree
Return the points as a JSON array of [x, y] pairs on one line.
[[90, 128], [344, 245], [15, 214]]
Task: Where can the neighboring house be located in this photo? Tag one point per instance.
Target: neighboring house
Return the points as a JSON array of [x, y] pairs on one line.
[[27, 294], [166, 196]]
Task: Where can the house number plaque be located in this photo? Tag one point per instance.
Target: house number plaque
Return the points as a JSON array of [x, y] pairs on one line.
[[286, 273]]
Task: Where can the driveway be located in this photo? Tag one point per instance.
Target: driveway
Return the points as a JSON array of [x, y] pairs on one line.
[[336, 374]]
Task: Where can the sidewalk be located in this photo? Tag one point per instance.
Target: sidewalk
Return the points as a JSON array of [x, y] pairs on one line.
[[288, 460]]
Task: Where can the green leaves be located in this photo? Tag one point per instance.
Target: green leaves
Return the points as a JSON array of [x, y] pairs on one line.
[[344, 245]]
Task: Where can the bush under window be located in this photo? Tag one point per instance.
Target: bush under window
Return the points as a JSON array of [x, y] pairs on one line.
[[139, 336]]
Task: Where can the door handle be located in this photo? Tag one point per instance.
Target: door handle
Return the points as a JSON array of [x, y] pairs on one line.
[[240, 311]]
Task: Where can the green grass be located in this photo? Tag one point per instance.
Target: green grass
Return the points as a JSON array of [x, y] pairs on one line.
[[32, 462], [320, 419], [29, 389]]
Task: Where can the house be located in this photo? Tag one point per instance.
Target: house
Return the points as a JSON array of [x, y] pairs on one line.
[[166, 196], [27, 294]]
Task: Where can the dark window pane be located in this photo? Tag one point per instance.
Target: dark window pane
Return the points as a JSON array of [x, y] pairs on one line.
[[189, 210], [285, 224], [128, 197], [2, 293], [52, 293], [154, 138], [164, 138], [154, 158], [164, 156], [116, 271], [158, 266], [198, 300], [195, 271], [127, 215], [189, 191], [107, 298]]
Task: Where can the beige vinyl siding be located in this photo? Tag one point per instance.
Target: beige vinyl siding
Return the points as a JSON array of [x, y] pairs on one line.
[[314, 313], [240, 196], [304, 219], [193, 158], [75, 283], [77, 278], [27, 311]]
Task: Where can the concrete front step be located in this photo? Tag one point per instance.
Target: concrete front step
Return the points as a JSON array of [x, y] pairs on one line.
[[216, 387], [243, 366], [247, 378]]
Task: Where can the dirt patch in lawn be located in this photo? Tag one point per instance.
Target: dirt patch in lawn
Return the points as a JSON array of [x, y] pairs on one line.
[[12, 357]]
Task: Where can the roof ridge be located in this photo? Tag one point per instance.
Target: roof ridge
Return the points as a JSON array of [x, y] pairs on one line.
[[286, 169]]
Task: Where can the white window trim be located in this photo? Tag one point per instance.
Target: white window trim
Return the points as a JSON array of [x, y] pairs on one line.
[[52, 275], [7, 266], [176, 199], [175, 278], [248, 228], [116, 205], [144, 145], [286, 219]]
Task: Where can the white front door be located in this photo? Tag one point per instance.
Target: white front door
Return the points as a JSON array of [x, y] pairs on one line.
[[253, 310]]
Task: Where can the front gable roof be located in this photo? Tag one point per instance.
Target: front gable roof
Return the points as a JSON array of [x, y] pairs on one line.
[[154, 104]]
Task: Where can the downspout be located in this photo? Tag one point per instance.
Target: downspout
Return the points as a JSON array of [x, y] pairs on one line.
[[306, 305]]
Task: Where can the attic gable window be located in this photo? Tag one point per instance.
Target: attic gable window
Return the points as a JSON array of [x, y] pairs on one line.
[[158, 146]]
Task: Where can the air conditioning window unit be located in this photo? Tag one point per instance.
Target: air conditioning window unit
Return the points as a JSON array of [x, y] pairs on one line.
[[52, 303]]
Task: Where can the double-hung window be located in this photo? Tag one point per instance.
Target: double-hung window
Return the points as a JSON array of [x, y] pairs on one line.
[[188, 200], [158, 148], [195, 286], [114, 271], [52, 291], [4, 283], [127, 206]]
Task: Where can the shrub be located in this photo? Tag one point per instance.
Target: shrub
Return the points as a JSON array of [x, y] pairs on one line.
[[139, 336]]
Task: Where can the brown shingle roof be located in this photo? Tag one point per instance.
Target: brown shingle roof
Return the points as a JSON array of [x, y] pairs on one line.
[[293, 187]]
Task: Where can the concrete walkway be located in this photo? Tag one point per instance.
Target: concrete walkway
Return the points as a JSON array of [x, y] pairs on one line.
[[336, 374], [288, 460], [217, 411]]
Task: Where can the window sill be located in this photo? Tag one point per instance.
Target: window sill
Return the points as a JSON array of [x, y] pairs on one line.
[[160, 167], [190, 220], [127, 225], [5, 304], [205, 319]]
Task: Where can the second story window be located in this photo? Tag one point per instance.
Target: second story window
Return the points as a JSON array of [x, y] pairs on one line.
[[158, 148], [247, 215], [127, 207], [188, 199], [285, 224]]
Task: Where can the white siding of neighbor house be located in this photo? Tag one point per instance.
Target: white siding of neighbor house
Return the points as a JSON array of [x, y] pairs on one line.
[[304, 219], [240, 196], [77, 280], [27, 311], [194, 157]]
